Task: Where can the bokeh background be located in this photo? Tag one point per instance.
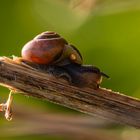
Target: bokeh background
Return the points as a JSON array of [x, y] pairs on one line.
[[107, 34]]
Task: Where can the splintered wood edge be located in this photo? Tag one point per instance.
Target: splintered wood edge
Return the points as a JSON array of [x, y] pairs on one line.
[[103, 103]]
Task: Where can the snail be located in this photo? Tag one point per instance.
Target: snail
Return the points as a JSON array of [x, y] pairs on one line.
[[50, 52]]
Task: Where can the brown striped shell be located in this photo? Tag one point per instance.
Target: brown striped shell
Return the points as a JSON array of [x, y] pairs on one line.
[[50, 48]]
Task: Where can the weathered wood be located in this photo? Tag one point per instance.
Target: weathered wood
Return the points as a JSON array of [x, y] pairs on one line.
[[102, 102]]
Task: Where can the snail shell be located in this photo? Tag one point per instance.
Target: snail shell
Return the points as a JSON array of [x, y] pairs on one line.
[[50, 48]]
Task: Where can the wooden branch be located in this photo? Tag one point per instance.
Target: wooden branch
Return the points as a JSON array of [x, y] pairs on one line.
[[103, 103]]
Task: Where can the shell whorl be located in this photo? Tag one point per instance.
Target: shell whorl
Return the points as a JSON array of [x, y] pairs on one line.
[[50, 35]]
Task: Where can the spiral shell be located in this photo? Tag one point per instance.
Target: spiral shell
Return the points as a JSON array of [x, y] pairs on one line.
[[50, 48]]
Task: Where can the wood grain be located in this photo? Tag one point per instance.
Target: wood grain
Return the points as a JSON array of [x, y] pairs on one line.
[[103, 103]]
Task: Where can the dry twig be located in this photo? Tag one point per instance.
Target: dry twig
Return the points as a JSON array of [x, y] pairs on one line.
[[102, 102]]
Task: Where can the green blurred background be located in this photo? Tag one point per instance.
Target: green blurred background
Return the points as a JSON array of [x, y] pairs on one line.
[[106, 32]]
